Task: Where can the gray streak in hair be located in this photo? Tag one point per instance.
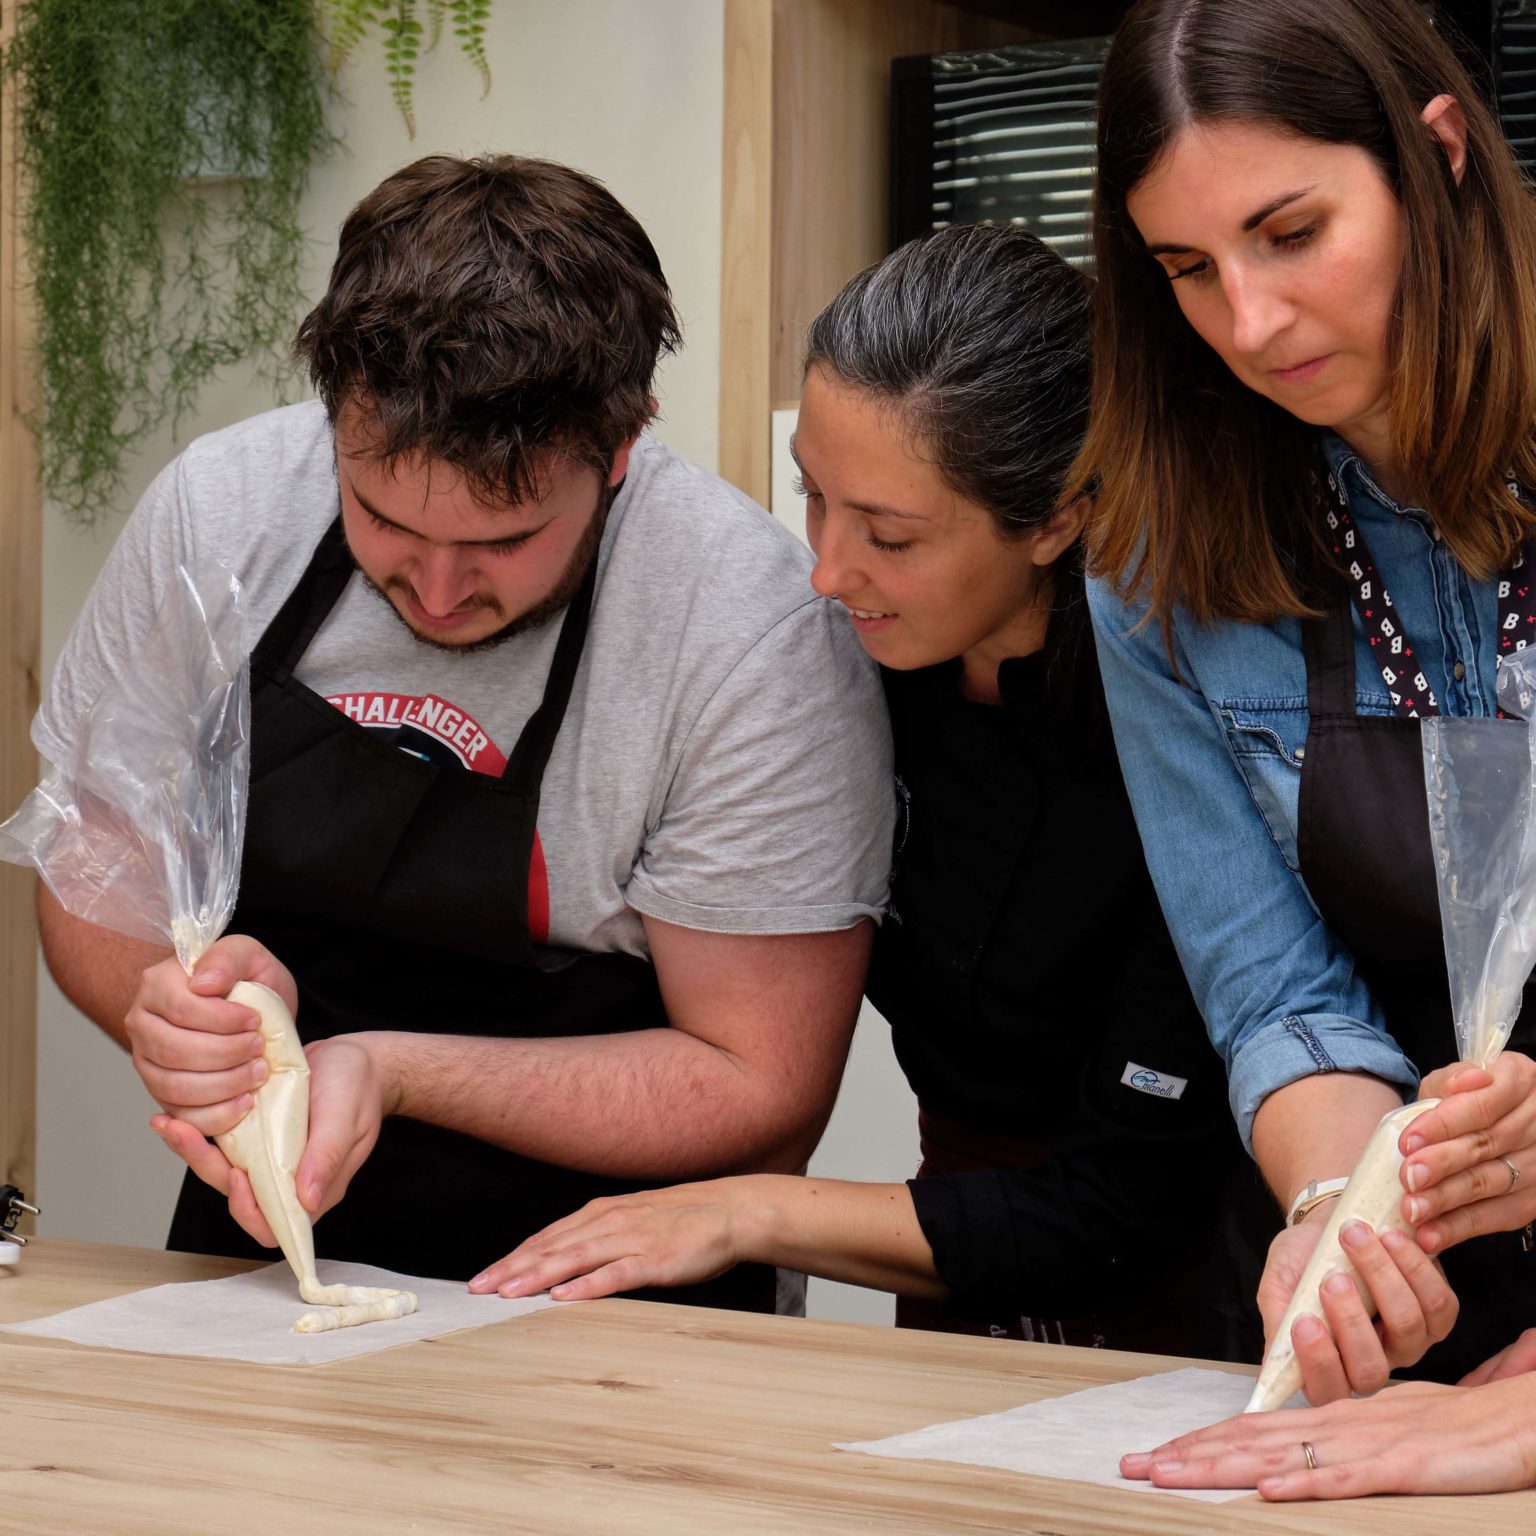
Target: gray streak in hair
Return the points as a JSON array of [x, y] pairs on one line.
[[978, 335]]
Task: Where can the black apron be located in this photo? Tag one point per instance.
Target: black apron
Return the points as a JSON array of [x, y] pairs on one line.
[[1017, 859], [396, 891], [1364, 850]]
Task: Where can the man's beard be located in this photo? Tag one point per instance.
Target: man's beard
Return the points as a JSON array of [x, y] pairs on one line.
[[555, 601]]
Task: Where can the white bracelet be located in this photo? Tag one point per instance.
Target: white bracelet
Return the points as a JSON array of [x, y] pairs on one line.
[[1314, 1194]]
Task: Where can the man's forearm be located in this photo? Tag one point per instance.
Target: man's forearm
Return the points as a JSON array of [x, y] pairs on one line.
[[653, 1103], [96, 968], [1317, 1127]]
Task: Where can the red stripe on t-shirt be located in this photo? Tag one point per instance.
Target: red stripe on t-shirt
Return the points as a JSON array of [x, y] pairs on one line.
[[538, 893]]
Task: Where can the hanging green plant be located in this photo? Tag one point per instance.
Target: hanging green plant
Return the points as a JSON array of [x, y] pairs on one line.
[[163, 146], [346, 22]]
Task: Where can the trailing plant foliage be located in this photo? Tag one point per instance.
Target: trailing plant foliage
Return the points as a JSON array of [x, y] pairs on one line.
[[163, 146], [345, 22]]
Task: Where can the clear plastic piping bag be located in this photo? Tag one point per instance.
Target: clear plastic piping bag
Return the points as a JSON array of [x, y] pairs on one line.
[[141, 830], [1480, 775]]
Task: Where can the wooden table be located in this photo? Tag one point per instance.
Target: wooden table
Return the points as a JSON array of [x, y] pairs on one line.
[[614, 1416]]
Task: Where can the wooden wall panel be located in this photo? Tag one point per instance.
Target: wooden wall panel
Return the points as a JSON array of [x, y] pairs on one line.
[[807, 104], [831, 145], [20, 629], [745, 252]]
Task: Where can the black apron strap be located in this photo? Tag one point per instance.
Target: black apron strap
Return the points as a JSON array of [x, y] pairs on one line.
[[1328, 643], [305, 609], [529, 758]]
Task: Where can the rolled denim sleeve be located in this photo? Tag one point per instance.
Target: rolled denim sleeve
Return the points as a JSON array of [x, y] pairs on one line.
[[1278, 990]]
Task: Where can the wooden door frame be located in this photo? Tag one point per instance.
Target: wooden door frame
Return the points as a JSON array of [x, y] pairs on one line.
[[746, 249], [21, 524]]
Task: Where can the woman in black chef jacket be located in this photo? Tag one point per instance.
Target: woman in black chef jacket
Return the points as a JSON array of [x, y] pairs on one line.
[[1075, 1131]]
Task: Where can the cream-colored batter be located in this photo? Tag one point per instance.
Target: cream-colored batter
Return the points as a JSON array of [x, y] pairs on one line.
[[1373, 1195], [267, 1145]]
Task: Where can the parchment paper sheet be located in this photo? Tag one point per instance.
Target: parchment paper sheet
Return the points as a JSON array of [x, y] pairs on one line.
[[1082, 1436], [251, 1317]]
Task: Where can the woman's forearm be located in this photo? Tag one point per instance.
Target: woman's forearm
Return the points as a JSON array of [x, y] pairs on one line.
[[1316, 1128], [860, 1234]]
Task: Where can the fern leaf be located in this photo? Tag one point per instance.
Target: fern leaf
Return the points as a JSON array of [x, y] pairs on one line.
[[401, 34], [469, 18], [342, 24], [436, 10]]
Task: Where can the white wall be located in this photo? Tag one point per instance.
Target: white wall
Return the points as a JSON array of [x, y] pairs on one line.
[[629, 90]]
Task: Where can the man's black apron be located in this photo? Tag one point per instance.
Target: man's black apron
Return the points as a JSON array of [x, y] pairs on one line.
[[396, 891], [1364, 850]]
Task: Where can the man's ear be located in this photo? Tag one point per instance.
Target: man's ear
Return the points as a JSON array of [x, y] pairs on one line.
[[621, 458], [620, 465], [1445, 119], [1061, 531]]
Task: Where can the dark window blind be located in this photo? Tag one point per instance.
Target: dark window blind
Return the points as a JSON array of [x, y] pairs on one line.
[[1514, 72], [998, 135]]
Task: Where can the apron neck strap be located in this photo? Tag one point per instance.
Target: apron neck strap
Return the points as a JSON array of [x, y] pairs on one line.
[[303, 612], [526, 764], [1328, 643]]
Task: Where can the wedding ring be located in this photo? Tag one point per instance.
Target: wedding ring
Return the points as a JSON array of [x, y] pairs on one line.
[[1514, 1174], [1306, 1450]]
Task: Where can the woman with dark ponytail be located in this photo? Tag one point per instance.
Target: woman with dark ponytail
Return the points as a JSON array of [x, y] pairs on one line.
[[1076, 1138]]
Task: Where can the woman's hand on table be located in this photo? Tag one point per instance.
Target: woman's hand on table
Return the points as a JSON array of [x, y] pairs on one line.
[[1459, 1184], [678, 1236], [1415, 1438], [1353, 1352]]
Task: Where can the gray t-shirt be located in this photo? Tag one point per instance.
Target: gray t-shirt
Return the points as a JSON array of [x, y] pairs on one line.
[[725, 763]]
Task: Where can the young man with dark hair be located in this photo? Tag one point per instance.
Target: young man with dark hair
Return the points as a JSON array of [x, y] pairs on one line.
[[570, 803]]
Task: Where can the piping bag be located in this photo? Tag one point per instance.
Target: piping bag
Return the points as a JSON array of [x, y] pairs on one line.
[[1480, 776], [141, 831]]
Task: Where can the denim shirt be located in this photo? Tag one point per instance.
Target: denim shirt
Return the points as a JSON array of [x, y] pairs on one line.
[[1212, 760]]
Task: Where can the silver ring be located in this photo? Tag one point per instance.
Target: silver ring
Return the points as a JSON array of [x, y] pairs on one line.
[[1514, 1174], [1306, 1450]]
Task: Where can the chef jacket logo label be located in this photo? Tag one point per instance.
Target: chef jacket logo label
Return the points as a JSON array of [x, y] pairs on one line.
[[427, 727], [1162, 1085]]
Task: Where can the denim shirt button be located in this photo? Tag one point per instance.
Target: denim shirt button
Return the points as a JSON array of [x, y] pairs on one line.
[[1301, 751], [1459, 671]]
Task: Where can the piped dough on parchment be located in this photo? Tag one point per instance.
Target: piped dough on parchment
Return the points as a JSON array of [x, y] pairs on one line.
[[267, 1145]]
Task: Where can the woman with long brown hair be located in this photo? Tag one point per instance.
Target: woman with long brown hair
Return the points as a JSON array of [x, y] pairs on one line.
[[1313, 428]]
